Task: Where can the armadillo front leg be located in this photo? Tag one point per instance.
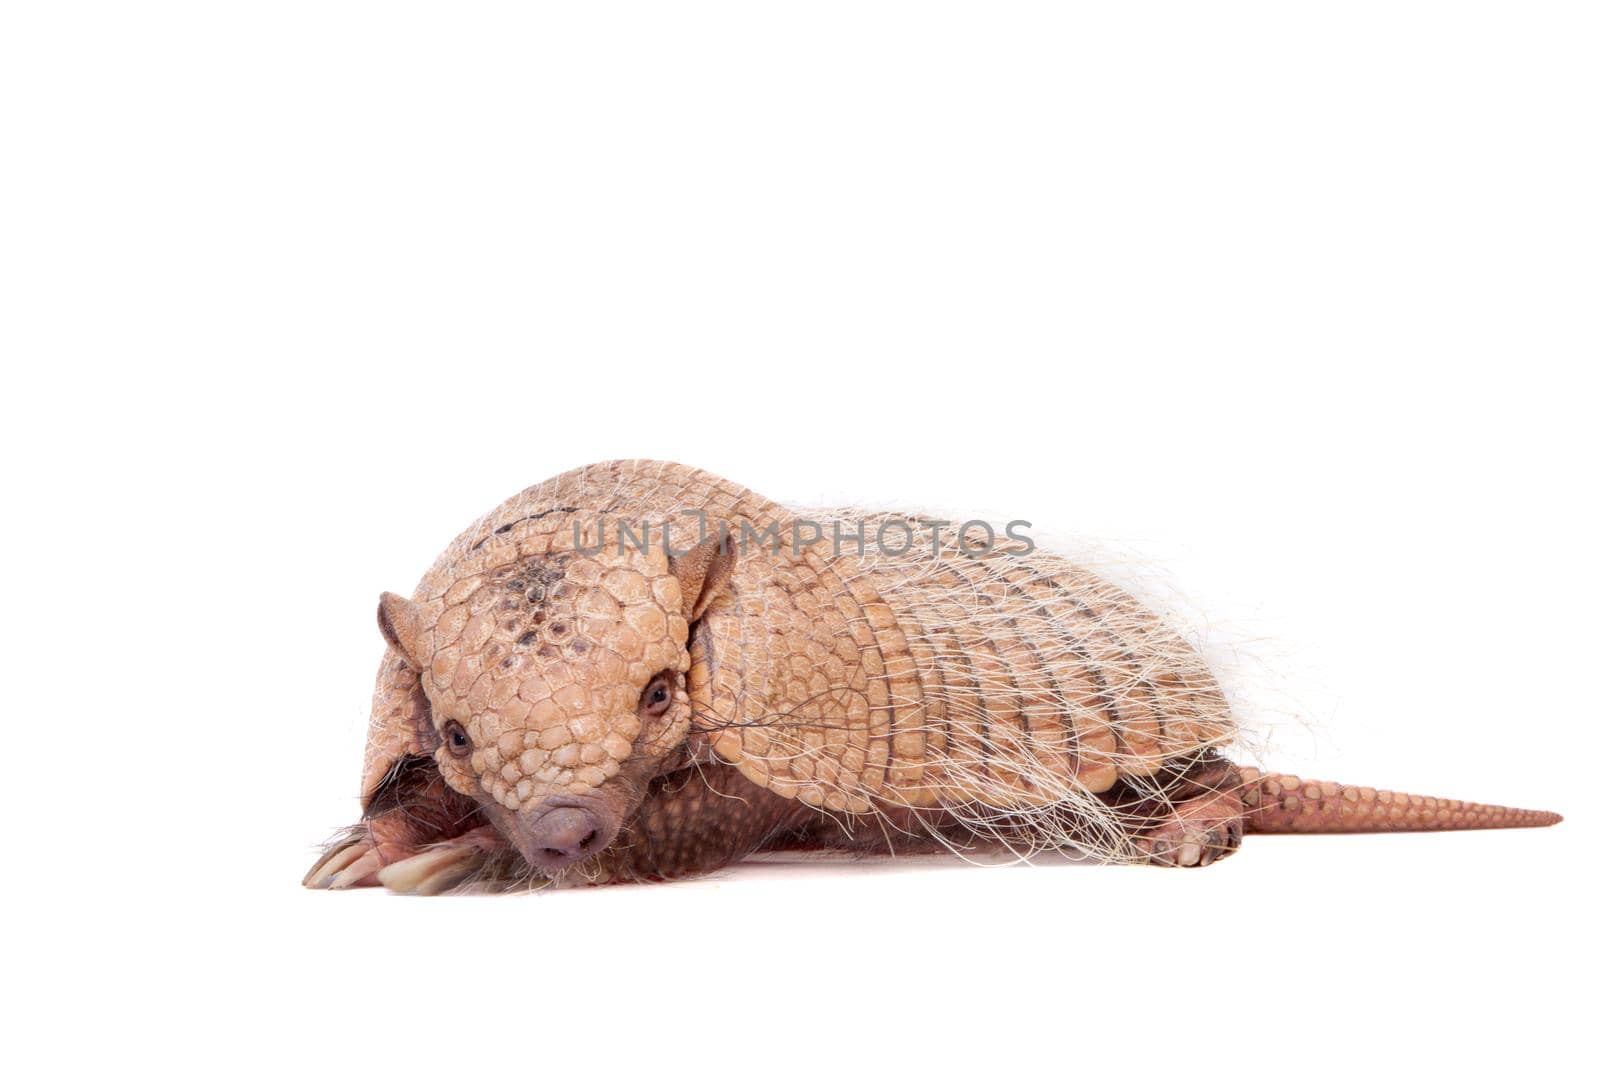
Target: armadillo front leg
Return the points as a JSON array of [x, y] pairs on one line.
[[411, 811]]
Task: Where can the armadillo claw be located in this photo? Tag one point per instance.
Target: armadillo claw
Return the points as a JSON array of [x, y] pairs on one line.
[[1180, 844], [431, 872], [1196, 833], [338, 856], [363, 872]]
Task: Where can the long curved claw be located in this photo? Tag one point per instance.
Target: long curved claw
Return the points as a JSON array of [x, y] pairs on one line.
[[363, 872], [433, 871], [338, 856]]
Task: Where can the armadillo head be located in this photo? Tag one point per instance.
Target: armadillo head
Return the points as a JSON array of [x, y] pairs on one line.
[[556, 686]]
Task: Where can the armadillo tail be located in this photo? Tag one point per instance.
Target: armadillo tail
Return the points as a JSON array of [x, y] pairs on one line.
[[1284, 804]]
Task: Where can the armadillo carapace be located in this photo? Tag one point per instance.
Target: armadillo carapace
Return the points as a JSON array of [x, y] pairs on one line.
[[637, 670]]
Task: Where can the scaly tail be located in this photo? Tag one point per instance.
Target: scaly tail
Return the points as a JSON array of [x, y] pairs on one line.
[[1284, 804]]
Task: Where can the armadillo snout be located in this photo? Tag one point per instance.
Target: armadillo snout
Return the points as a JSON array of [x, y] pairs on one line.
[[554, 836]]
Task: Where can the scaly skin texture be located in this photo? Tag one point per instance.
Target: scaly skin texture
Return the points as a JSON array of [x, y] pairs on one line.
[[1284, 804], [562, 703]]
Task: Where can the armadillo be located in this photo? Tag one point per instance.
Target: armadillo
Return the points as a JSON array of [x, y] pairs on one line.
[[638, 671]]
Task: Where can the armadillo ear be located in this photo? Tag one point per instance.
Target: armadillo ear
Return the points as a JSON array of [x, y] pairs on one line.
[[703, 572], [400, 622]]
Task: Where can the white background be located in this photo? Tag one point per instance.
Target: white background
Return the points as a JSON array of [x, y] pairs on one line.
[[1297, 300]]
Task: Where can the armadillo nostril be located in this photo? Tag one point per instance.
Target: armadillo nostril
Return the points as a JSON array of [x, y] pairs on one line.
[[564, 835]]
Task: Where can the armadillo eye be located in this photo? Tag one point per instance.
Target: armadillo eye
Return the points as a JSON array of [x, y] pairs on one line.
[[657, 697], [456, 739]]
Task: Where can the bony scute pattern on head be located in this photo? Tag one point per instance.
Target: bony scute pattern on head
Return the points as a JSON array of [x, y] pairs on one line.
[[541, 659]]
